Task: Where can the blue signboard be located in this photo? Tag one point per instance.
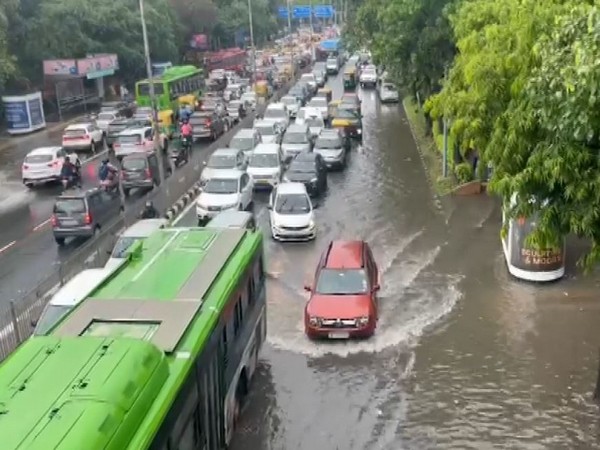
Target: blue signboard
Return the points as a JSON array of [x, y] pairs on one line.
[[24, 113], [324, 11], [17, 117], [36, 112], [301, 12], [282, 12]]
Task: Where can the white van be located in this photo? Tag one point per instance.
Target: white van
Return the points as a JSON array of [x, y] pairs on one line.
[[68, 297], [266, 166]]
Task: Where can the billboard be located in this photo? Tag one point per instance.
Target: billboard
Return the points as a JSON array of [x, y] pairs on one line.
[[97, 66], [60, 67]]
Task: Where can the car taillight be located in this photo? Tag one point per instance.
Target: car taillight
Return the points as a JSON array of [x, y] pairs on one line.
[[148, 174], [123, 174], [25, 167], [208, 122], [116, 145], [54, 220], [53, 164], [87, 219], [86, 136]]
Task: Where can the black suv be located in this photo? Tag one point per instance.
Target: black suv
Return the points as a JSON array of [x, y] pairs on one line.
[[81, 213], [141, 171], [310, 169]]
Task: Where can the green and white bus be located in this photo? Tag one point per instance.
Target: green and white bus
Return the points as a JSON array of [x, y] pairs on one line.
[[160, 356], [175, 82]]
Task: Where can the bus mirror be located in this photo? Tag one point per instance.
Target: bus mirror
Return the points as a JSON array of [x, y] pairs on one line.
[[34, 323]]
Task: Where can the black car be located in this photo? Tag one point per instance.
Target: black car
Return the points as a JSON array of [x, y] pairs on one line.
[[83, 213], [141, 171], [310, 169], [207, 125]]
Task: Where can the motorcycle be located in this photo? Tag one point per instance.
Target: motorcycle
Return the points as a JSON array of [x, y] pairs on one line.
[[181, 154], [110, 184], [70, 182]]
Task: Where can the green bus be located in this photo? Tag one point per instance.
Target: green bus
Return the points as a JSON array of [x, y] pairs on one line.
[[158, 357], [175, 82]]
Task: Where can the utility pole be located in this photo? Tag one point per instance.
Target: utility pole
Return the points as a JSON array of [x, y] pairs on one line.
[[290, 37], [446, 131], [253, 49], [155, 123], [312, 49]]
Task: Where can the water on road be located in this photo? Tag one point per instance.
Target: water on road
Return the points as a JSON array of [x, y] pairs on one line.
[[464, 356]]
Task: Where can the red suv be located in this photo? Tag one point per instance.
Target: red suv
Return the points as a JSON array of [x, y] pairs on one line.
[[343, 300]]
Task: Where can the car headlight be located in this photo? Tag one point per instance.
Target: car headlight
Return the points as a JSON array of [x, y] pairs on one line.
[[362, 321], [359, 131], [285, 178], [315, 321], [311, 224], [314, 180]]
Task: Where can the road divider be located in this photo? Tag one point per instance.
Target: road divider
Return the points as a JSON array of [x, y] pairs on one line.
[[179, 206]]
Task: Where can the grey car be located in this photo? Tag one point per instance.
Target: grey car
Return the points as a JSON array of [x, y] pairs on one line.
[[297, 139], [83, 213]]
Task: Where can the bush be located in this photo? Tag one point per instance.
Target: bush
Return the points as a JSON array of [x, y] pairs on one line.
[[464, 172]]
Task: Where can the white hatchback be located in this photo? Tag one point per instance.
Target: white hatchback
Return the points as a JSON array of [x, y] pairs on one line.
[[44, 165], [83, 136], [266, 166], [292, 214], [231, 190]]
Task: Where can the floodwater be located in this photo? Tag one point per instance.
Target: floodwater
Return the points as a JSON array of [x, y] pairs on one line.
[[464, 356]]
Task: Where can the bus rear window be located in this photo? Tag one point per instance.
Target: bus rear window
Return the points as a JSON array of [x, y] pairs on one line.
[[144, 89]]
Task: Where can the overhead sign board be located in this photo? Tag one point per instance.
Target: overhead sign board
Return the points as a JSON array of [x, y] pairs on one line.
[[301, 12], [324, 11], [282, 12]]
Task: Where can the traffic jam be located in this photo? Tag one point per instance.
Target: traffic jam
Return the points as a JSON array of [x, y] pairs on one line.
[[286, 156]]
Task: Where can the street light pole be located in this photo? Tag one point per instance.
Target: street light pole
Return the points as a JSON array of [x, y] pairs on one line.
[[290, 35], [253, 50], [155, 124], [312, 49]]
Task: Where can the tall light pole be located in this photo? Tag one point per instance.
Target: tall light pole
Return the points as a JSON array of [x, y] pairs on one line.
[[155, 124], [252, 48], [312, 50], [290, 36]]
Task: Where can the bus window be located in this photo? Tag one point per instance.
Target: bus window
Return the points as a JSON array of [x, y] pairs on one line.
[[237, 320]]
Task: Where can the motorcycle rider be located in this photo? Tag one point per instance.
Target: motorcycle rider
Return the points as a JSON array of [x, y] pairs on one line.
[[70, 172], [186, 134], [107, 173], [149, 212]]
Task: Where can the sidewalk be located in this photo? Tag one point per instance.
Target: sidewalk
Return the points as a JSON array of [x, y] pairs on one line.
[[7, 141]]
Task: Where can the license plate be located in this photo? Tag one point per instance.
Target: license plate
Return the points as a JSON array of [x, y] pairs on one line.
[[68, 222], [339, 335]]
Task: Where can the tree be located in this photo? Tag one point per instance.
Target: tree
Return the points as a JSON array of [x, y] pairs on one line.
[[523, 90], [196, 16], [412, 38], [7, 60]]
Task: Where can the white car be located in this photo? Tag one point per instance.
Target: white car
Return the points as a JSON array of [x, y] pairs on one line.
[[321, 104], [311, 80], [44, 165], [270, 132], [292, 213], [315, 124], [246, 139], [104, 118], [368, 77], [292, 103], [223, 160], [278, 112], [140, 230], [232, 190], [266, 166], [249, 98], [83, 136], [388, 93], [332, 65], [134, 140], [305, 112]]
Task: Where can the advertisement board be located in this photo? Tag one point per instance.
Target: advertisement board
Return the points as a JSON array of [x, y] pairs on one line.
[[97, 66], [24, 113], [199, 42], [60, 67], [525, 257]]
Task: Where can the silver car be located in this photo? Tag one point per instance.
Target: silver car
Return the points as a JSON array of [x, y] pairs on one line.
[[297, 139]]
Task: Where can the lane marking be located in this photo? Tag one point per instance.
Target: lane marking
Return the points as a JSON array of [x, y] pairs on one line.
[[7, 246], [41, 225], [185, 212]]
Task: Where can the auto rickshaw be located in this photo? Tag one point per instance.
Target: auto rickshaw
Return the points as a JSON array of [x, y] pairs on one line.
[[325, 92], [166, 119], [350, 79], [189, 99], [332, 108], [261, 89], [349, 122]]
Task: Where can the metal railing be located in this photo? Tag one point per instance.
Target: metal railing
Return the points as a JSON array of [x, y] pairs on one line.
[[18, 317]]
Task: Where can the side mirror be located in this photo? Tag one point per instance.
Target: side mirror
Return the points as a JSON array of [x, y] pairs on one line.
[[376, 288], [270, 207], [308, 288], [108, 252], [33, 323]]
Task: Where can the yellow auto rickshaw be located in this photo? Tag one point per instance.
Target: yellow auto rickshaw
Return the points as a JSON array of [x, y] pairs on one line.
[[166, 119], [350, 79], [325, 92], [261, 89], [189, 99], [349, 122]]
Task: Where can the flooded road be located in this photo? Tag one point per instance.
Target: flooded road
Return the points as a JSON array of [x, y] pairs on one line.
[[464, 356]]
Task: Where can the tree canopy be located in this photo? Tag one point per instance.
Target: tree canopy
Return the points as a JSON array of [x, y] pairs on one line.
[[522, 89], [34, 30]]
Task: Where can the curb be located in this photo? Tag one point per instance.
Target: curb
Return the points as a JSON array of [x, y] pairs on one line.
[[182, 202], [17, 140]]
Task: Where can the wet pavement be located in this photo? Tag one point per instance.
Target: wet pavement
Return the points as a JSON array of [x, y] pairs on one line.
[[464, 356]]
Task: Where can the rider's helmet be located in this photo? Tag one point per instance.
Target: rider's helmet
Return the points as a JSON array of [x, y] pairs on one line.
[[105, 161], [67, 159]]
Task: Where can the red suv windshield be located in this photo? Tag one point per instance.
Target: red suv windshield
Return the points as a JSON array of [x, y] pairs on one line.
[[342, 282]]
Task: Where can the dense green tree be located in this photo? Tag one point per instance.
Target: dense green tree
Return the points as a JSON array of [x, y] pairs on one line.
[[7, 60], [523, 90], [412, 38]]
